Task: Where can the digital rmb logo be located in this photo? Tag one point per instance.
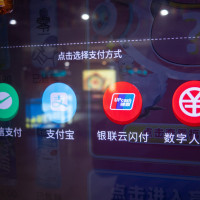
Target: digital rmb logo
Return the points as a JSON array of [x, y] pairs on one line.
[[59, 103], [186, 103], [9, 102]]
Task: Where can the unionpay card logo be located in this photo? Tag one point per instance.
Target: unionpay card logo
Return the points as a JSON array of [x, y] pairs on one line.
[[122, 103], [9, 102], [186, 103]]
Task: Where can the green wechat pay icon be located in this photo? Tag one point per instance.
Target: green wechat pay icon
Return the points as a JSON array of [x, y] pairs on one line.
[[9, 102]]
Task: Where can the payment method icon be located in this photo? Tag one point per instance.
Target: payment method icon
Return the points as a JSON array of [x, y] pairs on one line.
[[5, 100], [59, 103], [122, 101], [9, 102], [186, 103]]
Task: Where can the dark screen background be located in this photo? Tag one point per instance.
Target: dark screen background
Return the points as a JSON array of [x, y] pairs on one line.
[[157, 54]]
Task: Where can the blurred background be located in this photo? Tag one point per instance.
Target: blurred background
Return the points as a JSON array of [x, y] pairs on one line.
[[88, 46]]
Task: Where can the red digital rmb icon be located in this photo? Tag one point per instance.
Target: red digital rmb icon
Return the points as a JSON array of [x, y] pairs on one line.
[[122, 103], [186, 103]]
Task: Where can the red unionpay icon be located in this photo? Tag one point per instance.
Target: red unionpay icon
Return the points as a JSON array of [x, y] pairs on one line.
[[122, 103], [186, 103]]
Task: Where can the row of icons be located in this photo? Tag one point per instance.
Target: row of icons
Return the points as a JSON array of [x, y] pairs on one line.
[[122, 103], [59, 102]]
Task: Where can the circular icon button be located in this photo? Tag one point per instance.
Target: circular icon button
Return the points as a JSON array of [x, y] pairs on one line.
[[59, 103], [122, 103], [9, 102], [186, 103]]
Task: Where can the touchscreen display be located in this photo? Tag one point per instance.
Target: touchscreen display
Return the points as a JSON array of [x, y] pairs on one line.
[[99, 100]]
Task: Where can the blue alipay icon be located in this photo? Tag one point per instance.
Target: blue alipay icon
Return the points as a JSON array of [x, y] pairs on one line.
[[59, 103]]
